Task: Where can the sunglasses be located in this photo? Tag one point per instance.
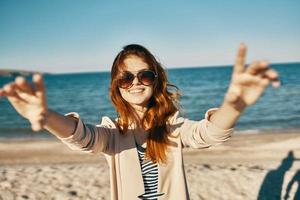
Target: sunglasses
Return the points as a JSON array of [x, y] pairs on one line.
[[145, 77]]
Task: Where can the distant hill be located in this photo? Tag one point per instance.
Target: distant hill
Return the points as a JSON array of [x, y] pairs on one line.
[[13, 73]]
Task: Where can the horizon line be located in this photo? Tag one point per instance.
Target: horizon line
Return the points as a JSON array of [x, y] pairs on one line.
[[166, 68]]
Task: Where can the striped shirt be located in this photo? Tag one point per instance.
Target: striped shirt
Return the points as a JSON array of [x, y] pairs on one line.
[[150, 176]]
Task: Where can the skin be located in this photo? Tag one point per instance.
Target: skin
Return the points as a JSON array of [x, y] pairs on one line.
[[32, 104], [139, 101], [246, 87]]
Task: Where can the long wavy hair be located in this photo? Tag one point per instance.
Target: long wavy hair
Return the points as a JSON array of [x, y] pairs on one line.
[[162, 105]]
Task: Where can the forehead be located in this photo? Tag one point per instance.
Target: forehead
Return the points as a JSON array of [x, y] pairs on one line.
[[134, 63]]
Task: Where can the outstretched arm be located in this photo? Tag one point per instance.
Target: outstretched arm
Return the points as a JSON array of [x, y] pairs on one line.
[[246, 87], [30, 102]]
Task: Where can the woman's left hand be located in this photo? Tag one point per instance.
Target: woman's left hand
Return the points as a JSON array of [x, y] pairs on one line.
[[248, 84]]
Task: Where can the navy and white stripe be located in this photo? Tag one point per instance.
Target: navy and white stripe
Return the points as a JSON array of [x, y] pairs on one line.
[[150, 176]]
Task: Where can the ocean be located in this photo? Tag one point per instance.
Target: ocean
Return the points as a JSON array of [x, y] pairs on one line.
[[201, 88]]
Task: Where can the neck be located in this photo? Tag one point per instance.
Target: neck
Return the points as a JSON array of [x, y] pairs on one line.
[[140, 112]]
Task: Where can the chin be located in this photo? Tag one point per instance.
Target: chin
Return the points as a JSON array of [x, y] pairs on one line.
[[138, 101]]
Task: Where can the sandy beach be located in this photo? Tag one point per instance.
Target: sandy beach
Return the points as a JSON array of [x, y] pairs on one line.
[[249, 166]]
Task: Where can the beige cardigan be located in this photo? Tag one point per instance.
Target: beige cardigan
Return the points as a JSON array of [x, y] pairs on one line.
[[121, 154]]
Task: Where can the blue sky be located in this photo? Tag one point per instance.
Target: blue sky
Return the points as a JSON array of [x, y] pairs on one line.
[[85, 35]]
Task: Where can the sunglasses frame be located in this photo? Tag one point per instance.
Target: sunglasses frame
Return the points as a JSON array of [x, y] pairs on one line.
[[136, 74]]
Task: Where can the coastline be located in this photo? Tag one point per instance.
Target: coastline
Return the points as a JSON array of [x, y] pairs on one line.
[[237, 169]]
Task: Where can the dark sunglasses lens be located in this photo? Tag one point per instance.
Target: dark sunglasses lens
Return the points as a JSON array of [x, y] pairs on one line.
[[126, 80], [146, 77]]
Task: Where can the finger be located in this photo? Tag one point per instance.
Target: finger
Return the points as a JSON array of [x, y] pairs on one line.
[[267, 81], [24, 89], [13, 93], [271, 74], [37, 123], [8, 89], [23, 85], [36, 126], [10, 92], [240, 59], [257, 67], [276, 84], [39, 85], [264, 82]]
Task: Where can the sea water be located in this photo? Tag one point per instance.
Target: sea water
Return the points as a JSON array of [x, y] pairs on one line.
[[201, 88]]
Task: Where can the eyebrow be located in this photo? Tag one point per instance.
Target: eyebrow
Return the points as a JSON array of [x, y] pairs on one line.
[[136, 71]]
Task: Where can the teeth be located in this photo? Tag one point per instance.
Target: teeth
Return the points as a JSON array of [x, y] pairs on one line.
[[136, 90]]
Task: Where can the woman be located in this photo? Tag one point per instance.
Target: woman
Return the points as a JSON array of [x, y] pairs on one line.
[[143, 146]]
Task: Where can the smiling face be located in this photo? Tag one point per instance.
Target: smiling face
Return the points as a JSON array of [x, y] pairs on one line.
[[138, 95]]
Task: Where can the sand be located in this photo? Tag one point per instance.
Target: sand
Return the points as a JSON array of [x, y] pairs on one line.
[[249, 166]]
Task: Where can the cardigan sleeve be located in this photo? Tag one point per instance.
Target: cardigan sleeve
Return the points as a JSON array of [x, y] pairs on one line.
[[203, 133], [90, 138]]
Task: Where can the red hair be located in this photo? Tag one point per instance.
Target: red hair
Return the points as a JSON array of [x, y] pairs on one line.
[[162, 105]]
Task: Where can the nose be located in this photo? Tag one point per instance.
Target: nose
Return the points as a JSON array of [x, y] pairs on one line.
[[135, 81]]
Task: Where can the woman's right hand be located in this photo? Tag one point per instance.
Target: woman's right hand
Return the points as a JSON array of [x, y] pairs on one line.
[[28, 100]]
